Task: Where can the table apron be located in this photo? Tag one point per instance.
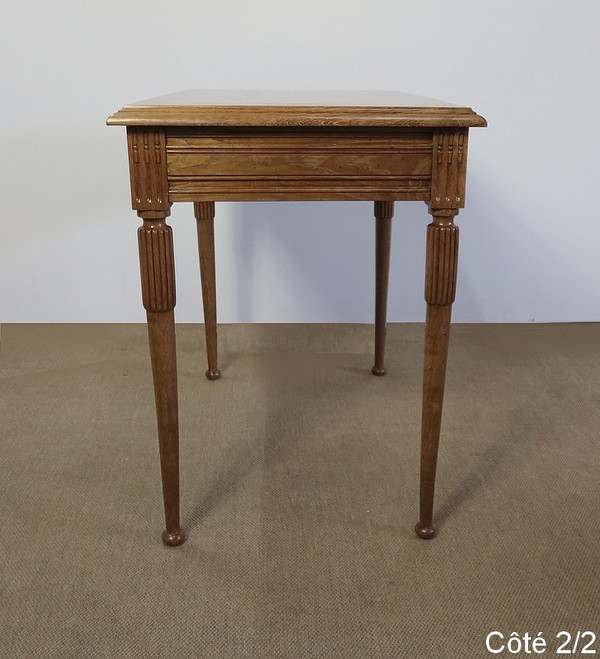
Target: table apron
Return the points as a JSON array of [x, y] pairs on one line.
[[300, 165]]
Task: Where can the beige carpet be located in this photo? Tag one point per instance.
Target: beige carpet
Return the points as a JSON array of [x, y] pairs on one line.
[[299, 494]]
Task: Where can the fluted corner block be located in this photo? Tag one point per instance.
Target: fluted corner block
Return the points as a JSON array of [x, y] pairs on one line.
[[157, 265], [449, 168], [442, 259], [148, 169]]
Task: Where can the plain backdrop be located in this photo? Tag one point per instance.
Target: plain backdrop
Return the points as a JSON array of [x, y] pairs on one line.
[[529, 234]]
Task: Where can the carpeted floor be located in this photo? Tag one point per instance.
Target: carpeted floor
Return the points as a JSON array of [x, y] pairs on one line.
[[299, 494]]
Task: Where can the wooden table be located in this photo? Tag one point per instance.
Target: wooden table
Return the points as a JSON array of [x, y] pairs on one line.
[[207, 146]]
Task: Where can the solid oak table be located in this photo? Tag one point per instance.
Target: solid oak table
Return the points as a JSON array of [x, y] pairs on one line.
[[207, 146]]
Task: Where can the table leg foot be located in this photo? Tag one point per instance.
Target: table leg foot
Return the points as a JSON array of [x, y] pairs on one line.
[[213, 375], [378, 370], [173, 538], [426, 531]]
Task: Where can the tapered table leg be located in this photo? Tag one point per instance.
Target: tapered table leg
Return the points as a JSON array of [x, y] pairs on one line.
[[205, 215], [158, 294], [384, 211], [440, 291]]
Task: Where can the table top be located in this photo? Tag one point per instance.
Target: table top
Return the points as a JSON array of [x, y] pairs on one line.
[[199, 107]]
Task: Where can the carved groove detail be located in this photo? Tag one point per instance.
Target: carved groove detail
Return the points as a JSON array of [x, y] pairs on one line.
[[204, 210], [361, 188], [135, 148], [146, 148], [384, 209], [442, 263], [461, 147], [148, 169], [157, 266], [157, 148], [448, 174]]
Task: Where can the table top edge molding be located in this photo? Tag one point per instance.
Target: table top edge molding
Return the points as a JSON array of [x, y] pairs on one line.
[[296, 116]]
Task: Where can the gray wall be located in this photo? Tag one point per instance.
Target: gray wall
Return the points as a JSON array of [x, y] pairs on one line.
[[529, 237]]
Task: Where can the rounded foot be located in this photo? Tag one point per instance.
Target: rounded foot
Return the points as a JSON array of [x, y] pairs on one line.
[[213, 375], [173, 539], [425, 531], [378, 370]]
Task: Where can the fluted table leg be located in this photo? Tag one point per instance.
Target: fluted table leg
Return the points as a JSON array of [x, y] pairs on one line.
[[440, 291], [158, 294], [384, 211], [205, 216]]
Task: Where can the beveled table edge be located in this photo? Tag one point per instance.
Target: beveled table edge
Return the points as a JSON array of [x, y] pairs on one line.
[[296, 116]]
